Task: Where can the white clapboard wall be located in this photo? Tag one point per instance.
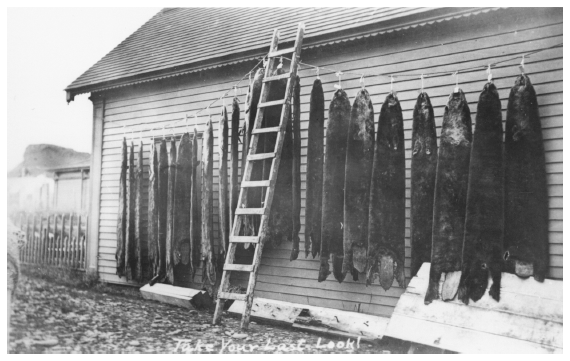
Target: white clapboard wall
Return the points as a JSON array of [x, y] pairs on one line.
[[527, 319], [458, 43]]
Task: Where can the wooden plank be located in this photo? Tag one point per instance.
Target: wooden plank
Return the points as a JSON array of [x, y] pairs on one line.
[[260, 156], [238, 267], [528, 318], [266, 130], [259, 211], [244, 239], [177, 296], [232, 296]]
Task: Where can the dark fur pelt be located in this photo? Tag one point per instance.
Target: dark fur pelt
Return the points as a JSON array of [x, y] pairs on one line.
[[182, 202], [424, 164], [208, 259], [483, 240], [122, 214], [386, 227], [450, 192], [280, 223], [358, 171], [234, 185], [296, 124], [153, 198], [315, 155], [526, 198], [162, 206], [138, 276], [333, 186], [223, 214], [170, 209], [130, 252], [196, 209]]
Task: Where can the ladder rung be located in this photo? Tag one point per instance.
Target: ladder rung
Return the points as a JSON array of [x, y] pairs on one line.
[[244, 239], [271, 104], [276, 77], [281, 52], [261, 156], [232, 296], [253, 184], [265, 130], [260, 211], [238, 267]]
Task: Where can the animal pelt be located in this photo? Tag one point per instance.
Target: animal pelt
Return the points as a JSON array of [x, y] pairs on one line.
[[162, 206], [296, 124], [526, 198], [208, 258], [138, 276], [483, 235], [423, 168], [358, 171], [153, 199], [315, 155], [130, 251], [181, 247], [122, 213], [224, 215], [235, 139], [170, 209], [450, 192], [196, 209], [333, 186], [386, 227]]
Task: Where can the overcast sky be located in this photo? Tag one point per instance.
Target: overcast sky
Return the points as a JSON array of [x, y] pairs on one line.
[[48, 48]]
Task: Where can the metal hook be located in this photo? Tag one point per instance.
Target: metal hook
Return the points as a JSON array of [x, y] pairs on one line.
[[489, 74], [186, 121], [456, 90], [422, 78], [362, 81], [235, 91], [391, 83], [339, 85], [521, 66], [164, 132], [280, 63], [318, 71]]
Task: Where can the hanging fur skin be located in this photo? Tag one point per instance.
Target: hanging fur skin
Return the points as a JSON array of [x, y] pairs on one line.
[[138, 277], [358, 171], [224, 215], [122, 214], [170, 213], [130, 256], [424, 164], [162, 206], [483, 240], [450, 198], [315, 155], [386, 227], [296, 123], [234, 185], [280, 222], [196, 213], [526, 197], [333, 186], [153, 197], [182, 202], [208, 261]]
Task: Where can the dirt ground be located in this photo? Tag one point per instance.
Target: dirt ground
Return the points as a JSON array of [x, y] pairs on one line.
[[51, 317]]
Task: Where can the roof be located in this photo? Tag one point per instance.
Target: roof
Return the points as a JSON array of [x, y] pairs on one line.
[[47, 158], [181, 40]]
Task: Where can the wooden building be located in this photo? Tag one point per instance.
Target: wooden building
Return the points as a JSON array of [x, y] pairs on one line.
[[183, 59]]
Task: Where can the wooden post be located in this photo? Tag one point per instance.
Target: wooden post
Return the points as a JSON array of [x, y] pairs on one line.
[[95, 183]]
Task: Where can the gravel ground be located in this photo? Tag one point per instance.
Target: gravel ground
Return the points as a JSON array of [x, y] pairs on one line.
[[49, 317]]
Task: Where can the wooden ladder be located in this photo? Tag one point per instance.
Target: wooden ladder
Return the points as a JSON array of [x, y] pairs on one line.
[[247, 183]]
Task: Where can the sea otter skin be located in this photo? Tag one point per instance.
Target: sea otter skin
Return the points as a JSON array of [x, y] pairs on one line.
[[208, 257], [423, 168], [122, 214], [358, 171], [152, 237], [450, 194], [526, 197], [315, 155], [130, 252], [483, 235], [223, 214], [333, 186], [296, 168], [234, 184], [196, 209], [170, 209], [386, 221]]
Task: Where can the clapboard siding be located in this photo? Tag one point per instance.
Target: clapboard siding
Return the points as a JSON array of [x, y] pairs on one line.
[[446, 46]]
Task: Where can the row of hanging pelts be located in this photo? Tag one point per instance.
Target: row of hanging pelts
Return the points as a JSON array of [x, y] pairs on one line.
[[460, 200]]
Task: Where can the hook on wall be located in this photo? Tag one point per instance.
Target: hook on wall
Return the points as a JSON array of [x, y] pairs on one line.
[[521, 66], [489, 74], [362, 81], [422, 79], [456, 90], [339, 75], [318, 73]]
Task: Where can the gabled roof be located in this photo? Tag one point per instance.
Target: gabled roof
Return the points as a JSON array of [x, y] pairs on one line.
[[181, 40]]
